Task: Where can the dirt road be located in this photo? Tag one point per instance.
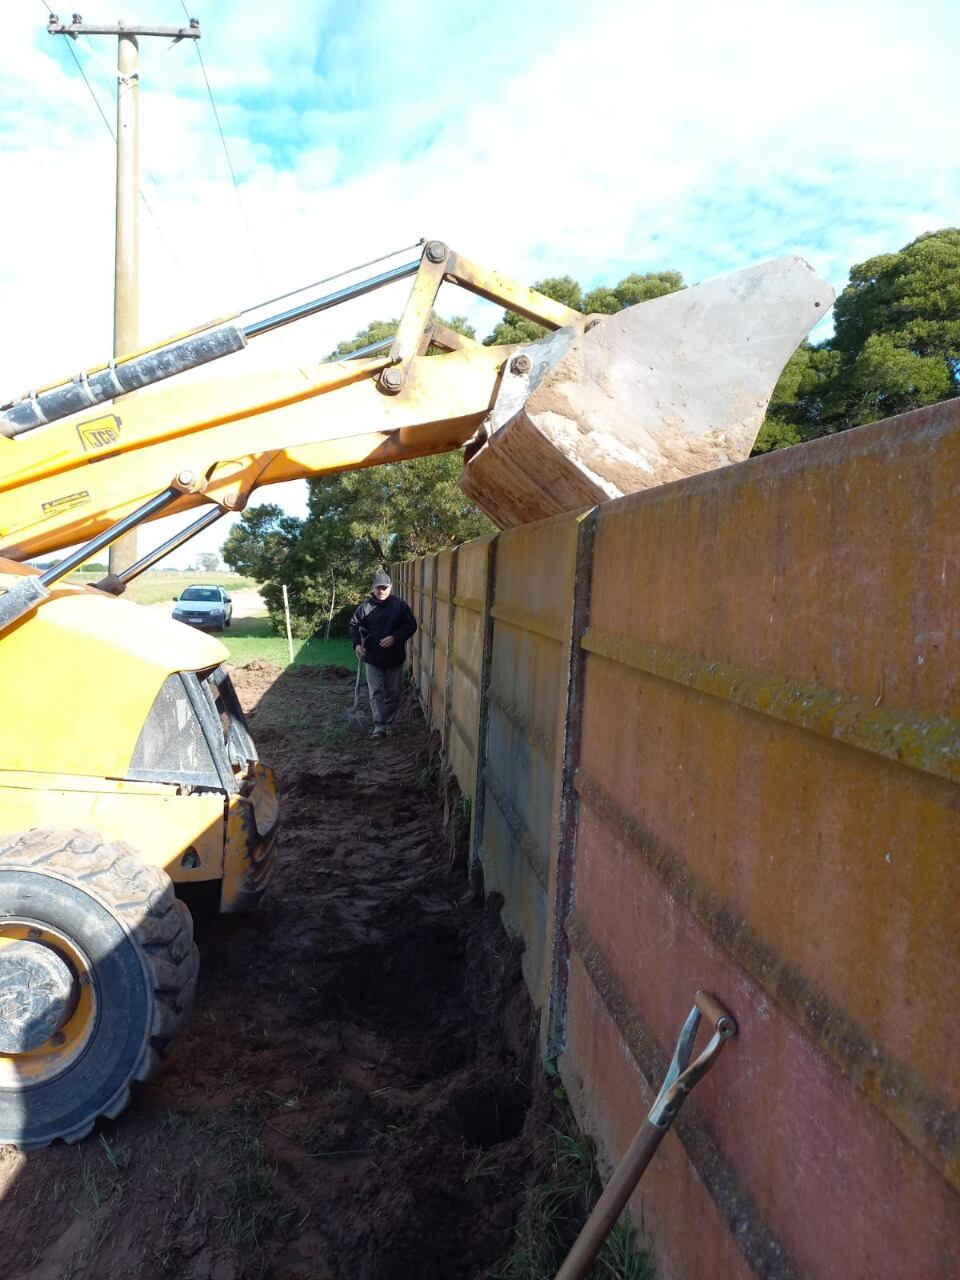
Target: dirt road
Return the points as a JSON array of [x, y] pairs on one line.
[[247, 603], [356, 1096]]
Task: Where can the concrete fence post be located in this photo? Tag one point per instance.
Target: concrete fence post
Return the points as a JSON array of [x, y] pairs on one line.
[[479, 790], [419, 664], [432, 671], [451, 634], [566, 807]]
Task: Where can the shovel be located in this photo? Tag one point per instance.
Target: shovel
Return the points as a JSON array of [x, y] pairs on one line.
[[354, 718], [681, 1076]]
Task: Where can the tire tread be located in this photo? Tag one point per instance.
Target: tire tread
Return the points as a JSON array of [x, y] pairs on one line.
[[143, 898]]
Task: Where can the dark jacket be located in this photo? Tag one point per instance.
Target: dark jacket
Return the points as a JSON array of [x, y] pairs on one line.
[[378, 619]]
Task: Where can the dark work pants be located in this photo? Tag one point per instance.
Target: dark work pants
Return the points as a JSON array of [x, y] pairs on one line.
[[384, 685]]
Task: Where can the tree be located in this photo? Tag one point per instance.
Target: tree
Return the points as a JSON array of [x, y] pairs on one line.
[[514, 328], [357, 521], [912, 296], [265, 546], [898, 330], [604, 299], [380, 330], [393, 512], [796, 410], [262, 543], [631, 290], [896, 346], [377, 331]]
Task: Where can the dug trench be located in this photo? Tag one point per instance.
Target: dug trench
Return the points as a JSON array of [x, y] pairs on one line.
[[359, 1092]]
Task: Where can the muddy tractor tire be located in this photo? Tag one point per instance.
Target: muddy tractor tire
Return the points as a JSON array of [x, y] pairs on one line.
[[97, 973]]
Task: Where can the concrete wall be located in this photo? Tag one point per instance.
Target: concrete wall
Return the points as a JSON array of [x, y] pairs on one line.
[[712, 737]]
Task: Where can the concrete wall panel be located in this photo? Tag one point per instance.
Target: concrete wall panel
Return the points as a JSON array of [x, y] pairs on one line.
[[611, 1097], [414, 599], [715, 735], [771, 726], [531, 614], [469, 608], [426, 625], [846, 1161], [442, 620]]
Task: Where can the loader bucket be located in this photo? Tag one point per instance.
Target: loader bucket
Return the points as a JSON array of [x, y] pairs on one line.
[[662, 390]]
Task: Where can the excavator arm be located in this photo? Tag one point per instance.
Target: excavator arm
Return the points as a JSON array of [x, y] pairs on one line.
[[599, 407], [218, 441], [215, 442]]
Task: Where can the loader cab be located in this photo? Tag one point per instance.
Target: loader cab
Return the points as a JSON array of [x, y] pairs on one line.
[[135, 731], [195, 733]]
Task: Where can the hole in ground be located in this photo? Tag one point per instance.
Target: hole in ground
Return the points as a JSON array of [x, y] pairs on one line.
[[409, 981], [491, 1116]]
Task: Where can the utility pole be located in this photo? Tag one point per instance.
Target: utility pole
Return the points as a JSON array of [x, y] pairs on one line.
[[126, 300]]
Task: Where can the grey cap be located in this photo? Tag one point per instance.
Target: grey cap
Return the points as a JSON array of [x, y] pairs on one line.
[[381, 579]]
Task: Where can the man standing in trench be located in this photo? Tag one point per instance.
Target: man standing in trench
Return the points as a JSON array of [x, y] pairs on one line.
[[380, 629]]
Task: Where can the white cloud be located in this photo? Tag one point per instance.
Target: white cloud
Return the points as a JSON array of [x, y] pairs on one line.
[[551, 138]]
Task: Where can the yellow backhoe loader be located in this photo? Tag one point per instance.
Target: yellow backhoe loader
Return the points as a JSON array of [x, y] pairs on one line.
[[127, 772]]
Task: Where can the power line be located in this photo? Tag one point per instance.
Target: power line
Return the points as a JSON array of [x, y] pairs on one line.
[[107, 74], [226, 151], [96, 100], [166, 242], [109, 127]]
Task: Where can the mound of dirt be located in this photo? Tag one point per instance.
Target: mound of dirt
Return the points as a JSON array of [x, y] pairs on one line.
[[358, 1094]]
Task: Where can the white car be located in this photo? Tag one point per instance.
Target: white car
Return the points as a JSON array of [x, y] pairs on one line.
[[204, 606]]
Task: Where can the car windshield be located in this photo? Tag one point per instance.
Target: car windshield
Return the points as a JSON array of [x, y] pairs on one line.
[[201, 593]]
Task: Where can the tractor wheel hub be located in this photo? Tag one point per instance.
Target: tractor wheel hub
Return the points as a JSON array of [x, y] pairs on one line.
[[37, 995]]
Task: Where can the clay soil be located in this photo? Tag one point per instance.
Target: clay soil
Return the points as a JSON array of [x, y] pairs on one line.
[[358, 1093]]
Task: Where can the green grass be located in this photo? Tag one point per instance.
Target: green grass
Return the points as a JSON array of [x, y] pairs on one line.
[[238, 1168], [104, 1178], [250, 638], [555, 1211], [428, 776]]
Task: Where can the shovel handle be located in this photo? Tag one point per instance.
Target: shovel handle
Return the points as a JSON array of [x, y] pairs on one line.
[[610, 1205], [681, 1077]]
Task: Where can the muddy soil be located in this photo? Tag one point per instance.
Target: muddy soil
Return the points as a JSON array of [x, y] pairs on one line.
[[358, 1093]]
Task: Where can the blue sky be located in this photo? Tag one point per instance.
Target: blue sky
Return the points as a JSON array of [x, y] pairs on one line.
[[542, 139]]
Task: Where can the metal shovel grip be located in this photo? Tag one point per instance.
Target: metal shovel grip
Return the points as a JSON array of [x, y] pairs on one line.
[[682, 1075]]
